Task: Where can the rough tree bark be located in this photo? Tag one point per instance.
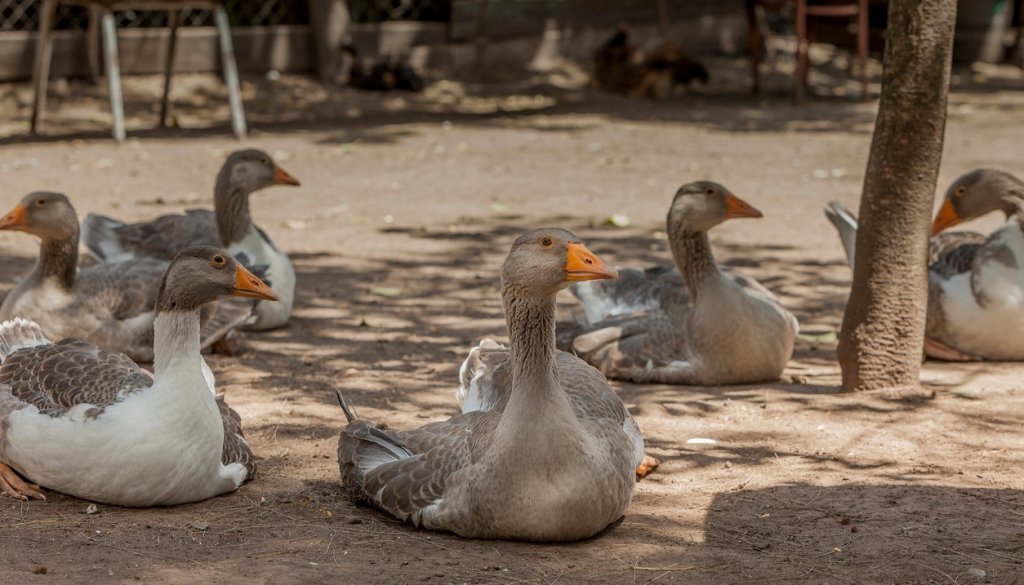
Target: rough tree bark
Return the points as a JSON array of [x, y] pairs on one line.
[[883, 327]]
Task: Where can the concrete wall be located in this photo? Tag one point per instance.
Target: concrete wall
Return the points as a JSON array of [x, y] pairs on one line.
[[518, 32]]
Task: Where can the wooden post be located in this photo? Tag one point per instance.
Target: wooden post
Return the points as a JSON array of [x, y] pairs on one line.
[[41, 68], [863, 35], [165, 102], [481, 39], [663, 22], [331, 24], [92, 44], [802, 49]]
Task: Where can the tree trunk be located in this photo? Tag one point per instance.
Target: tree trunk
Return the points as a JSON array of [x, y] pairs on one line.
[[883, 328], [331, 24]]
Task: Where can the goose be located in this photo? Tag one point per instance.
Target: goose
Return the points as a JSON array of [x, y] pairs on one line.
[[110, 304], [229, 225], [555, 461], [695, 323], [975, 194], [976, 297], [88, 422], [971, 277], [970, 196]]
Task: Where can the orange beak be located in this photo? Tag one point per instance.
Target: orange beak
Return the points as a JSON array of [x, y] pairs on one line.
[[248, 286], [947, 217], [582, 264], [736, 208], [16, 219], [283, 178]]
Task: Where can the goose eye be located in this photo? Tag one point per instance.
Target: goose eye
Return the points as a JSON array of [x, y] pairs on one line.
[[41, 202], [218, 261], [710, 192], [960, 191], [546, 241], [265, 161]]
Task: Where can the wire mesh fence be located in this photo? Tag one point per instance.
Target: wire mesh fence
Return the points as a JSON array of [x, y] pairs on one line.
[[388, 10], [23, 15]]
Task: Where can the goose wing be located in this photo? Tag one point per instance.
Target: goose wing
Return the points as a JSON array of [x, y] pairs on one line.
[[634, 290], [58, 377], [952, 253], [236, 448], [406, 473], [161, 238]]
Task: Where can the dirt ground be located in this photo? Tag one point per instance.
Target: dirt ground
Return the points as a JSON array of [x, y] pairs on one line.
[[407, 207]]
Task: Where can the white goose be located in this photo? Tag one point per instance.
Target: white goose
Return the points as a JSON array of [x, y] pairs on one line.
[[229, 225], [553, 459], [89, 422]]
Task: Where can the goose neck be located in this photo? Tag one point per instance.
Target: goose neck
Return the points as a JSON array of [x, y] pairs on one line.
[[176, 345], [58, 259], [231, 210], [692, 253], [531, 326]]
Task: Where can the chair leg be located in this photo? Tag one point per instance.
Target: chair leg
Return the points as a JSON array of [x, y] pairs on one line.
[[165, 102], [863, 35], [802, 47], [113, 69], [227, 62], [41, 66]]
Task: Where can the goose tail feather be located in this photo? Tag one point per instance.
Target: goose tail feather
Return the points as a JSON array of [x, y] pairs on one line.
[[846, 224]]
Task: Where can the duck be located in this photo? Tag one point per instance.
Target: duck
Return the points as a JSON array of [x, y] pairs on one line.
[[970, 277], [110, 304], [229, 225], [554, 461], [89, 422], [695, 323]]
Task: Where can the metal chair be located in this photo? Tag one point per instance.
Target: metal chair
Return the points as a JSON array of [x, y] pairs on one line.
[[104, 10]]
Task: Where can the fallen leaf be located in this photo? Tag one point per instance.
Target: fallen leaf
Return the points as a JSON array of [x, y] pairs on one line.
[[619, 220]]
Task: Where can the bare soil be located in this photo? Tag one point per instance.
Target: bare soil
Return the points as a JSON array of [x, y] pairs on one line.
[[407, 207]]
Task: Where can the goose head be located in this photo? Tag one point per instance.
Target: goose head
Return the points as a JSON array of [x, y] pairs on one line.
[[973, 195], [249, 170], [201, 274], [47, 215], [701, 205], [546, 260]]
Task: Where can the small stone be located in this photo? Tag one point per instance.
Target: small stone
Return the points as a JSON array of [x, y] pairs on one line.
[[976, 573], [199, 524], [40, 570], [91, 509], [728, 464]]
